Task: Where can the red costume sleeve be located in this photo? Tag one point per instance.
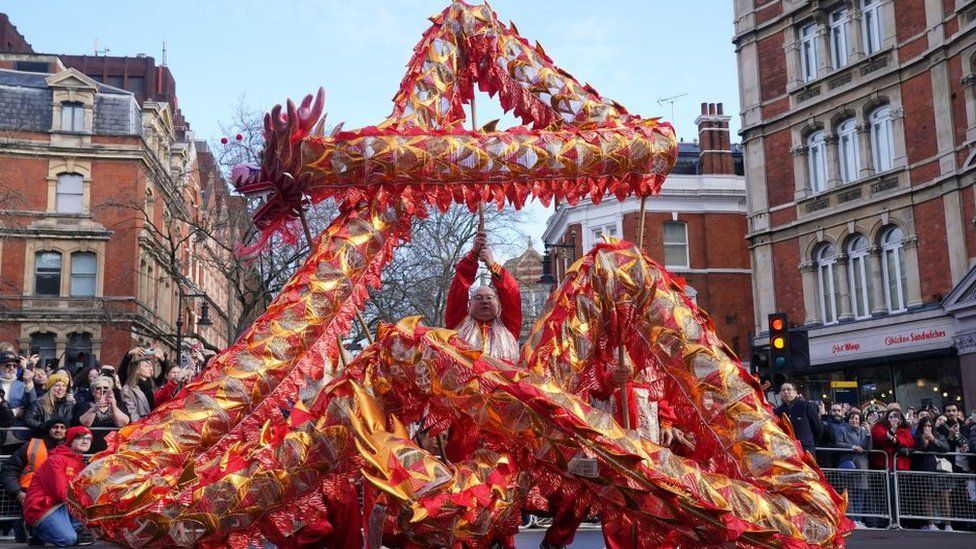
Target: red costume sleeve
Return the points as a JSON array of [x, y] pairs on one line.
[[457, 296], [509, 299], [905, 438]]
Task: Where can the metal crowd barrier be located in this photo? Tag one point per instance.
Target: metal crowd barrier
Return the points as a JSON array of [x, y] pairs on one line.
[[869, 491], [934, 497]]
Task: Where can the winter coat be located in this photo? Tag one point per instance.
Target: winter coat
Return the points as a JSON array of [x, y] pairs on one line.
[[35, 417], [897, 451], [136, 402], [13, 467], [49, 489], [848, 437], [807, 426], [926, 462]]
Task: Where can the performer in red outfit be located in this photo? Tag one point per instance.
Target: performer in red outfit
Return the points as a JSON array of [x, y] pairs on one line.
[[648, 414], [492, 318]]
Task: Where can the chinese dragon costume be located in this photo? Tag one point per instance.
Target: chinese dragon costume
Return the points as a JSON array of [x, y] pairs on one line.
[[276, 430]]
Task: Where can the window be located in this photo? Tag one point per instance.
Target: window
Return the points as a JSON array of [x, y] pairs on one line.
[[70, 193], [43, 345], [47, 273], [808, 52], [817, 157], [850, 161], [872, 27], [82, 274], [893, 269], [72, 117], [675, 244], [882, 138], [79, 352], [838, 38], [827, 280], [604, 230], [860, 276]]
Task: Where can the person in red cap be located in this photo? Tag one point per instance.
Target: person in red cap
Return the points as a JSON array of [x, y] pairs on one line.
[[45, 507]]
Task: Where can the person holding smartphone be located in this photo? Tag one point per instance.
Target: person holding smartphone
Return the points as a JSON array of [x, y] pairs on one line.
[[18, 393], [103, 414]]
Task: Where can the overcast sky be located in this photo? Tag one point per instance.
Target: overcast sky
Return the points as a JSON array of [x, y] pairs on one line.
[[634, 51]]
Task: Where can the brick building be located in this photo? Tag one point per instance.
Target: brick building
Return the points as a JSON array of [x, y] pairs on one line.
[[858, 120], [107, 205], [526, 268], [695, 227]]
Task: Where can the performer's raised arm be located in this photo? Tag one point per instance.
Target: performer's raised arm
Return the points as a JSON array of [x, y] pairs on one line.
[[507, 289]]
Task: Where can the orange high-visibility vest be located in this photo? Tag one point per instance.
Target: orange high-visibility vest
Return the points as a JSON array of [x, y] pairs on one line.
[[36, 455]]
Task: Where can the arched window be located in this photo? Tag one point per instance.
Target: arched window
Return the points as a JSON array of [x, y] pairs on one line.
[[43, 345], [872, 25], [809, 52], [676, 244], [860, 276], [882, 138], [817, 157], [850, 160], [79, 351], [47, 273], [827, 280], [70, 192], [838, 38], [893, 269], [83, 274]]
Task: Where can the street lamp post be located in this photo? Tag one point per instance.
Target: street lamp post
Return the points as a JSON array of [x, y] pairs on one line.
[[204, 321], [547, 277]]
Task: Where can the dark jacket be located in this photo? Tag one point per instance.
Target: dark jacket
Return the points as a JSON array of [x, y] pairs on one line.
[[956, 444], [35, 417], [807, 427], [14, 466], [926, 462]]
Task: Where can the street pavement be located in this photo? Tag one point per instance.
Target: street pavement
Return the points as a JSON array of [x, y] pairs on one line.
[[591, 538], [860, 539]]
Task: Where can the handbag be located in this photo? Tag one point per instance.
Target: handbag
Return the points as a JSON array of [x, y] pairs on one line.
[[943, 465]]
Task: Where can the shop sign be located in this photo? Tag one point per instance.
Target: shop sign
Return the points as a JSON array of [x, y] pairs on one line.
[[882, 340]]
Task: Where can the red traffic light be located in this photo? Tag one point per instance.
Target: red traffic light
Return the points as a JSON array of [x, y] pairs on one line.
[[777, 324]]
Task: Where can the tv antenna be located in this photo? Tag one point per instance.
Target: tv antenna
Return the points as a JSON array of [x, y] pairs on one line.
[[98, 51], [662, 100]]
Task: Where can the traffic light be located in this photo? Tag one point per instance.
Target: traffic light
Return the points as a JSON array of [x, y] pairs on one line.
[[779, 341]]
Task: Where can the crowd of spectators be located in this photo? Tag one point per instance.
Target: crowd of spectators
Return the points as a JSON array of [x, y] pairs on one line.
[[879, 437], [51, 416]]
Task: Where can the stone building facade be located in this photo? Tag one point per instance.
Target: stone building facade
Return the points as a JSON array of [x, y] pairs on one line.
[[695, 227], [858, 124], [104, 209]]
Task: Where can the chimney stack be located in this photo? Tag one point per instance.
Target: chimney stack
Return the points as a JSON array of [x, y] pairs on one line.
[[714, 141]]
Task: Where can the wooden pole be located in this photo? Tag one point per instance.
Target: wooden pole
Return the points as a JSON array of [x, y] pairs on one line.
[[308, 232], [365, 327], [624, 399], [474, 128], [640, 224]]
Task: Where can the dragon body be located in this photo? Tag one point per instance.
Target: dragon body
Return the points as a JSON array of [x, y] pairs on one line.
[[275, 429]]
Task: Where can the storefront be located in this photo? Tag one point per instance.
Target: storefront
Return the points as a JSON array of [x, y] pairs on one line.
[[909, 358]]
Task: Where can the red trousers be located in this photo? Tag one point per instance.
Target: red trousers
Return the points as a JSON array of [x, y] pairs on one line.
[[567, 516]]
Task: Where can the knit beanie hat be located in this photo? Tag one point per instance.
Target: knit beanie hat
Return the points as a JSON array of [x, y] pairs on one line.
[[75, 431], [60, 375]]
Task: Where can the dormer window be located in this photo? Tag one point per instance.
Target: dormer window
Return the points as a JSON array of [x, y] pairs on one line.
[[72, 117]]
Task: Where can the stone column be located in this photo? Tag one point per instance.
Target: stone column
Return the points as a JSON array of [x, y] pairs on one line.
[[833, 162], [794, 76], [808, 275], [900, 155], [824, 63], [801, 174], [843, 279], [878, 306], [914, 289], [856, 34], [864, 150]]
